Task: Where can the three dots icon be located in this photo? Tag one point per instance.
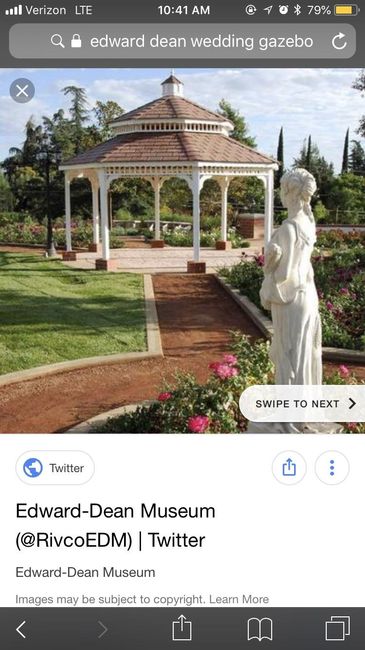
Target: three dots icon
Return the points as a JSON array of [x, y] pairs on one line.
[[332, 467]]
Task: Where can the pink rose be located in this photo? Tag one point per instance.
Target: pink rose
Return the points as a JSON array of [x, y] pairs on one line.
[[329, 305], [231, 359], [344, 371], [164, 396], [344, 291], [198, 423], [224, 371], [351, 426]]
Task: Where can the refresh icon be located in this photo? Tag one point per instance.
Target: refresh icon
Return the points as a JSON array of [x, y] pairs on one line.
[[338, 43]]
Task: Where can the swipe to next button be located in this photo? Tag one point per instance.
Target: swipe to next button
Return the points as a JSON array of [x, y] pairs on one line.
[[329, 403]]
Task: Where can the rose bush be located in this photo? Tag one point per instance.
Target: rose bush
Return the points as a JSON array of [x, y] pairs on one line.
[[340, 281], [190, 407], [34, 233], [340, 239], [207, 238]]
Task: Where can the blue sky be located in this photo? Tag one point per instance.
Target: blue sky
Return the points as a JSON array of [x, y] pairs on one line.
[[319, 101]]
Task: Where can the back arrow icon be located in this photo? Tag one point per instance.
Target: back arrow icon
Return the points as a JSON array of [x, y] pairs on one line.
[[105, 629], [352, 403], [18, 629]]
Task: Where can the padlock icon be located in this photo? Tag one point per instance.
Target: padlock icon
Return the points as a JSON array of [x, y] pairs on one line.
[[76, 41]]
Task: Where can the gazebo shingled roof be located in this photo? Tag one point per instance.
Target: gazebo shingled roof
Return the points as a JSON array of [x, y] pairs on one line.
[[171, 107], [168, 137], [170, 147]]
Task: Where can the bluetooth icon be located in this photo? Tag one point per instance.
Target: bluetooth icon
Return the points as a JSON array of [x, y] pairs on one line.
[[297, 10]]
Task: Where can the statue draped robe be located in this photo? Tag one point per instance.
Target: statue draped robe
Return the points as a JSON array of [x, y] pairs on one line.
[[289, 292]]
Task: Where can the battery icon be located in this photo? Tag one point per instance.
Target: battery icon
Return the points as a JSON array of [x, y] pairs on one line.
[[346, 10]]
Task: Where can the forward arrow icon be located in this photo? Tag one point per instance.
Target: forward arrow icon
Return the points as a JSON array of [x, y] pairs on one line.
[[104, 630]]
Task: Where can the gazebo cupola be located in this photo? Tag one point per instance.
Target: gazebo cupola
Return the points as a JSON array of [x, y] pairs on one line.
[[169, 137], [172, 86]]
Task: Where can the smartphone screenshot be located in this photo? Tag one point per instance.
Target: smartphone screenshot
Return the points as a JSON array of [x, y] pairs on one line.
[[182, 325]]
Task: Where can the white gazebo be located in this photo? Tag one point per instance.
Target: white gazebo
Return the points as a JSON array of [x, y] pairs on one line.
[[168, 137]]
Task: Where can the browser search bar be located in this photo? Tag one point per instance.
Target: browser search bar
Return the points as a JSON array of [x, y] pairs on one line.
[[182, 41]]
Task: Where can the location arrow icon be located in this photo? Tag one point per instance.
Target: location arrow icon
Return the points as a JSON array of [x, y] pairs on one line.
[[352, 403], [104, 630], [19, 628]]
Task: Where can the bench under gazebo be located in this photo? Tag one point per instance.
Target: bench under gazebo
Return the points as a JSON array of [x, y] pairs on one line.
[[168, 137]]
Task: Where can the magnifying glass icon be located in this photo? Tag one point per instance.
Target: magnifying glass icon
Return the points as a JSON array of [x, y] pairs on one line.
[[56, 40]]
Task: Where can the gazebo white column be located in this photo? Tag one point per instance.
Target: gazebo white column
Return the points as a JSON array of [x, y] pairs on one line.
[[196, 214], [104, 203], [96, 213], [68, 212], [223, 182], [105, 263], [157, 182], [269, 205], [197, 182]]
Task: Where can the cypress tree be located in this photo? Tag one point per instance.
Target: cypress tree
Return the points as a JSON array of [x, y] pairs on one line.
[[280, 157], [308, 161], [345, 157]]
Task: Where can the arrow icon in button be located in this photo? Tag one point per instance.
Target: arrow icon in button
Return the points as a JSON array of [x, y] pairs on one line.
[[104, 631], [352, 403], [337, 41], [19, 628]]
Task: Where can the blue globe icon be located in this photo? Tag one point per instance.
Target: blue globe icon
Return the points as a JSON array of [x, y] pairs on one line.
[[32, 467]]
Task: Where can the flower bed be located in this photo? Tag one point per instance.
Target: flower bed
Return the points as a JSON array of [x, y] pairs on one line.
[[207, 238], [32, 233], [190, 407], [339, 239], [340, 281]]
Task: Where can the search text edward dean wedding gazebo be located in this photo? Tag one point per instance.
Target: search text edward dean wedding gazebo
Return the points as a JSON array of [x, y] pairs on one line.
[[168, 137]]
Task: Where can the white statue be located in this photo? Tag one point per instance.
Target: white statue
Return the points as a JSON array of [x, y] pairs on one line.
[[288, 289], [289, 292]]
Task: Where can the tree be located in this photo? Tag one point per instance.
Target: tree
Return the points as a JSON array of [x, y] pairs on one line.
[[105, 112], [345, 157], [310, 158], [359, 84], [6, 196], [347, 198], [357, 158], [79, 113], [176, 195], [280, 158], [240, 131]]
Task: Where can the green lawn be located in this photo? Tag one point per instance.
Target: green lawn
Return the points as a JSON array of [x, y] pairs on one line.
[[51, 313]]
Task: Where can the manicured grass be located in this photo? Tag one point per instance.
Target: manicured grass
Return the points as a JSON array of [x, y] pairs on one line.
[[51, 313]]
